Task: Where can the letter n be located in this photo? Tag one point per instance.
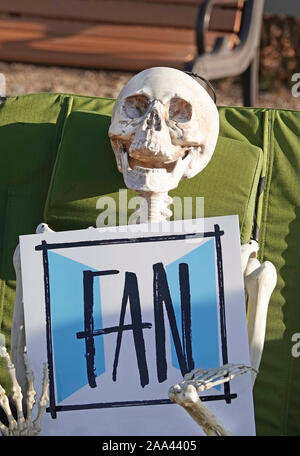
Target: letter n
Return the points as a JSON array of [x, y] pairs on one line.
[[161, 295]]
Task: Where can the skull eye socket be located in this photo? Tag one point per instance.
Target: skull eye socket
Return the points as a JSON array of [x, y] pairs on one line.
[[180, 110], [135, 106]]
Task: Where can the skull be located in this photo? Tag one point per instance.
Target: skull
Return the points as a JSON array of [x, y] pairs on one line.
[[164, 128]]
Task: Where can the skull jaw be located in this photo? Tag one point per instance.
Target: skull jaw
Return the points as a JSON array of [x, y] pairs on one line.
[[155, 180], [149, 165]]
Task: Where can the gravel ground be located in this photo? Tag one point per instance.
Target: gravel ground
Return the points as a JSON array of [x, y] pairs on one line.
[[25, 78]]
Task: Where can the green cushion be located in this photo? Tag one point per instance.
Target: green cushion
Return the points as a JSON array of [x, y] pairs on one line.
[[277, 389], [277, 393]]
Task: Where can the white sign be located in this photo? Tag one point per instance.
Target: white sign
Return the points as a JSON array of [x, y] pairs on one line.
[[121, 316]]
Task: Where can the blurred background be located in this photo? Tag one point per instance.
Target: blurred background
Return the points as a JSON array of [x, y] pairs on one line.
[[279, 58]]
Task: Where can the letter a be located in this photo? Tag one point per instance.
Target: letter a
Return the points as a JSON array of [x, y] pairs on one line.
[[131, 293]]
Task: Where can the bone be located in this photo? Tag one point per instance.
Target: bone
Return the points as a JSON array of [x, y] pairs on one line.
[[16, 396], [260, 282], [4, 403], [18, 339], [248, 250], [187, 397], [21, 426], [43, 228], [167, 134], [155, 208], [19, 369], [31, 393], [44, 399], [204, 379], [198, 380]]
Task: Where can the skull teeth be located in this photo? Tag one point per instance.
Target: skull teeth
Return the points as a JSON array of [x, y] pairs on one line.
[[152, 179], [154, 148], [138, 169]]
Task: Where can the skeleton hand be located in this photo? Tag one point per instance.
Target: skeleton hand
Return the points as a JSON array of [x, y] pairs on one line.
[[188, 398], [185, 394], [22, 425], [204, 379]]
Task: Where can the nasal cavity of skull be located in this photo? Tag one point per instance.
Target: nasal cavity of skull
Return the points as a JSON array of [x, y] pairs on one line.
[[136, 106], [180, 110], [153, 121]]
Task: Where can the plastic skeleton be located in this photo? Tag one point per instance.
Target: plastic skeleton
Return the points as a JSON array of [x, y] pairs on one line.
[[164, 128]]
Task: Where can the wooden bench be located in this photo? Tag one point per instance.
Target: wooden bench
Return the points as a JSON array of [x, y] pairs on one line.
[[224, 60], [118, 34]]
